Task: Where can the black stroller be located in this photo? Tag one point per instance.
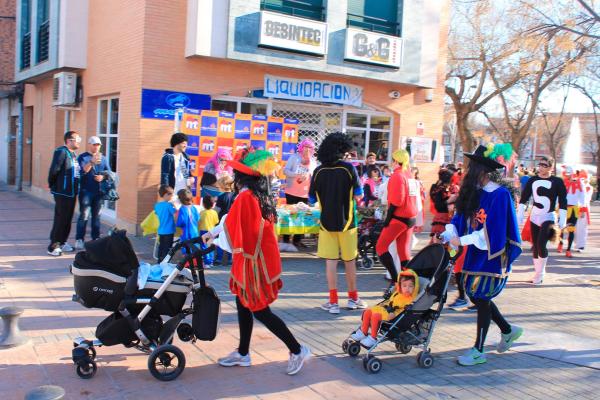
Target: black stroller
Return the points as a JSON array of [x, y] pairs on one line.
[[106, 276], [369, 230], [414, 326]]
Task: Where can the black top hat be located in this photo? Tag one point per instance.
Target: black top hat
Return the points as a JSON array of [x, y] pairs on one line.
[[479, 158]]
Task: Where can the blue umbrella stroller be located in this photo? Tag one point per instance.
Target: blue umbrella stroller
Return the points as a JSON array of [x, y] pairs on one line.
[[414, 326], [106, 276]]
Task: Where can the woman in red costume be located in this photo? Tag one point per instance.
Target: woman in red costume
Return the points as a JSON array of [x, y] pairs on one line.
[[402, 212], [249, 232]]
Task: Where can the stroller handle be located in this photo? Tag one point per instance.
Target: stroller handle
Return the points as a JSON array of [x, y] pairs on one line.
[[459, 251]]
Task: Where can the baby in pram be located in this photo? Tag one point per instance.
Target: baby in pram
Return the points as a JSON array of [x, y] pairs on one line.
[[406, 291]]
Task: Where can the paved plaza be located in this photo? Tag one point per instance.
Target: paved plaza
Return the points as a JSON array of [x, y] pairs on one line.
[[558, 356]]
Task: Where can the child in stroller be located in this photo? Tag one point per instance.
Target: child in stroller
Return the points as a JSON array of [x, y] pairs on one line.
[[407, 288], [107, 275], [414, 325]]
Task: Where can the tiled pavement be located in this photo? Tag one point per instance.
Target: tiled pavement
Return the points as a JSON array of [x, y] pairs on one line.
[[558, 356]]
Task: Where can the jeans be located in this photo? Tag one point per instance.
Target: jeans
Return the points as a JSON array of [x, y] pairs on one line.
[[89, 206], [63, 214]]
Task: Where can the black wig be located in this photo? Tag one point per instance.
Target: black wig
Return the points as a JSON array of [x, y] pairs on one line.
[[259, 186], [333, 147]]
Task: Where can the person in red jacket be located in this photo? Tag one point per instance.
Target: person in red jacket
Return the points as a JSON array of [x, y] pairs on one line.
[[402, 212]]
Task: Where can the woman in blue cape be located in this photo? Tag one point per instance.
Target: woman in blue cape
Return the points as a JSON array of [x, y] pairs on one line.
[[486, 222]]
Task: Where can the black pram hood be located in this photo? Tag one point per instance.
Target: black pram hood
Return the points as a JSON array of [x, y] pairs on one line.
[[112, 253]]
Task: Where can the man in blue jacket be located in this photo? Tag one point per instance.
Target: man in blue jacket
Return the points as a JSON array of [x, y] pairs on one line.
[[93, 166], [63, 181]]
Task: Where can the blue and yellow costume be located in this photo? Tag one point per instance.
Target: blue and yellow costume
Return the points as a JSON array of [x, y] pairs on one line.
[[486, 271]]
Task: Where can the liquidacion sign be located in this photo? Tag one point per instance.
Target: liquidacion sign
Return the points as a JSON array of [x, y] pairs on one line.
[[312, 90], [162, 104]]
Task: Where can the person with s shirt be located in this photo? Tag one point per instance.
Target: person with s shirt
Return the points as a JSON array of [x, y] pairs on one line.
[[165, 212], [546, 191]]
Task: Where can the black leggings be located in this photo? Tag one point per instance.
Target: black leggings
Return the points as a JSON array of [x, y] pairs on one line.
[[270, 320], [539, 237], [460, 285], [486, 312], [571, 224]]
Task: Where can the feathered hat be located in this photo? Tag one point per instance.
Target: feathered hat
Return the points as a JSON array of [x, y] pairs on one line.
[[255, 163], [488, 156]]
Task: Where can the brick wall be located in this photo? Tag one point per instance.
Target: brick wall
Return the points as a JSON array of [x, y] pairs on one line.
[[7, 41]]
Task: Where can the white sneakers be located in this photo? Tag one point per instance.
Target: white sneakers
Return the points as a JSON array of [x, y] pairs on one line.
[[368, 342], [333, 308], [235, 359], [357, 304], [66, 248], [295, 363], [79, 244], [287, 247], [56, 252], [358, 335]]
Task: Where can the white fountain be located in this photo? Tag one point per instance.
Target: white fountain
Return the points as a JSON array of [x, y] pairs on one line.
[[572, 153]]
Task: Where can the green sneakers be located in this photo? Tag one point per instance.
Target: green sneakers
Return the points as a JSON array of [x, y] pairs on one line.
[[471, 357], [508, 339]]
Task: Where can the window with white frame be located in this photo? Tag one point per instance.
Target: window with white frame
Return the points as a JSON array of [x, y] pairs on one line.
[[108, 132], [370, 132], [244, 105]]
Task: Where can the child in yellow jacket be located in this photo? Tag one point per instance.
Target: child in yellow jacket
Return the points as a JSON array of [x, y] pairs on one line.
[[406, 291]]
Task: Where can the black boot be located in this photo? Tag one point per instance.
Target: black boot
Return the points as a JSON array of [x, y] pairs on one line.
[[388, 262]]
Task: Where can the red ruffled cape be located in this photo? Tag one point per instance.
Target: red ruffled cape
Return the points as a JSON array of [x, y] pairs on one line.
[[256, 268]]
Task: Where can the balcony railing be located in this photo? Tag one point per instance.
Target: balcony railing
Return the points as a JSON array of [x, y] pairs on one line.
[[374, 24], [26, 51], [43, 43], [295, 8]]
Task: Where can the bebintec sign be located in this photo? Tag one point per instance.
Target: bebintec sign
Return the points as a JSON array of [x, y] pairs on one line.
[[292, 34]]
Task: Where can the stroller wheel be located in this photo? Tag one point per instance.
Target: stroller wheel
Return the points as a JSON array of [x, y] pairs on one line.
[[353, 349], [86, 368], [166, 362], [372, 365], [403, 348], [345, 345], [92, 353], [425, 359], [185, 332], [367, 262]]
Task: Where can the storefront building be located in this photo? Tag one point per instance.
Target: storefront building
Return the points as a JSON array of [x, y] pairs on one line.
[[371, 68]]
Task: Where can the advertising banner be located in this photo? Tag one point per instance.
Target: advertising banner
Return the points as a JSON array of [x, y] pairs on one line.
[[373, 48], [292, 33], [278, 87], [162, 104], [209, 130]]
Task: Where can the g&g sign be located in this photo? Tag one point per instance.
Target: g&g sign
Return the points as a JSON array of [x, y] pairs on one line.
[[292, 33], [373, 48]]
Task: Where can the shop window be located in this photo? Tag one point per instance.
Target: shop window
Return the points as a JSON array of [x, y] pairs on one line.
[[370, 133], [43, 30], [311, 9], [25, 34], [240, 105], [375, 15], [223, 105], [108, 132]]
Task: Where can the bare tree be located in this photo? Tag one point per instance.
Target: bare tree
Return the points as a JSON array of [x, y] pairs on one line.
[[479, 45], [580, 17]]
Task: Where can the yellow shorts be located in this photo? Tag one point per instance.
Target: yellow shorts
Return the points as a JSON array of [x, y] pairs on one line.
[[338, 245]]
